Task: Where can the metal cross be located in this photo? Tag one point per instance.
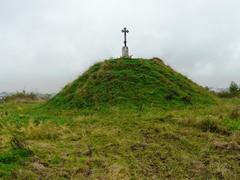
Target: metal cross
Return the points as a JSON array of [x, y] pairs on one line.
[[125, 31]]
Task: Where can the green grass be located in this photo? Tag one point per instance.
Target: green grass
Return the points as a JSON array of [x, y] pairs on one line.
[[132, 83], [188, 142], [122, 119], [14, 157]]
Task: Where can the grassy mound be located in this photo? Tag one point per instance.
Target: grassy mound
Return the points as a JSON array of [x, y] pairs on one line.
[[132, 83]]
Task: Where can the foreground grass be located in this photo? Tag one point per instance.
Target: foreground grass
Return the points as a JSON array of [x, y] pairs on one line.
[[196, 142]]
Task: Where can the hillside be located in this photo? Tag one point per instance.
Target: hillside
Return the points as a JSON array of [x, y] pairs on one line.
[[132, 83], [155, 141]]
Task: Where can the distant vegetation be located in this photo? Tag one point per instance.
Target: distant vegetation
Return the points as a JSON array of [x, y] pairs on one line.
[[21, 96], [25, 97], [232, 91]]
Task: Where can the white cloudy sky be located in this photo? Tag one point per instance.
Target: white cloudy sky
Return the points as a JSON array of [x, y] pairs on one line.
[[46, 43]]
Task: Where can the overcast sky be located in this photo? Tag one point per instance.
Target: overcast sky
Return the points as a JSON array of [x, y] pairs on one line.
[[45, 44]]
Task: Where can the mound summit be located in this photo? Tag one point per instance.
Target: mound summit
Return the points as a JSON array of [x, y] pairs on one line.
[[131, 82]]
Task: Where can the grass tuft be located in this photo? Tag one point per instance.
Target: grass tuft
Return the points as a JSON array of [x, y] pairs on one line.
[[212, 124]]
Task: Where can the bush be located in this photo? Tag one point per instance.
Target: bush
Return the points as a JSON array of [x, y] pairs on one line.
[[233, 89]]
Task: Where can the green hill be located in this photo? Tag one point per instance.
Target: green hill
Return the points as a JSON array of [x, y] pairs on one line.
[[132, 83], [39, 141]]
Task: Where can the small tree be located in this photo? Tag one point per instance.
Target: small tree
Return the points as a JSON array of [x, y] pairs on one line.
[[233, 89]]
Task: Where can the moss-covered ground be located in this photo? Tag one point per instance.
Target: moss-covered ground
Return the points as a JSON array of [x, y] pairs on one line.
[[197, 142]]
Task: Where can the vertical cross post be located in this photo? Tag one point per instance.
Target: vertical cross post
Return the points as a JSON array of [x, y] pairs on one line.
[[125, 31]]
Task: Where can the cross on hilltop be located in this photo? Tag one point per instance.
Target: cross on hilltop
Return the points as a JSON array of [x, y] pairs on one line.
[[125, 51], [125, 31]]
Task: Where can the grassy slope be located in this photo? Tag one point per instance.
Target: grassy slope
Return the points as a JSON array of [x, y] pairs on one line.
[[119, 142], [131, 82], [193, 142]]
